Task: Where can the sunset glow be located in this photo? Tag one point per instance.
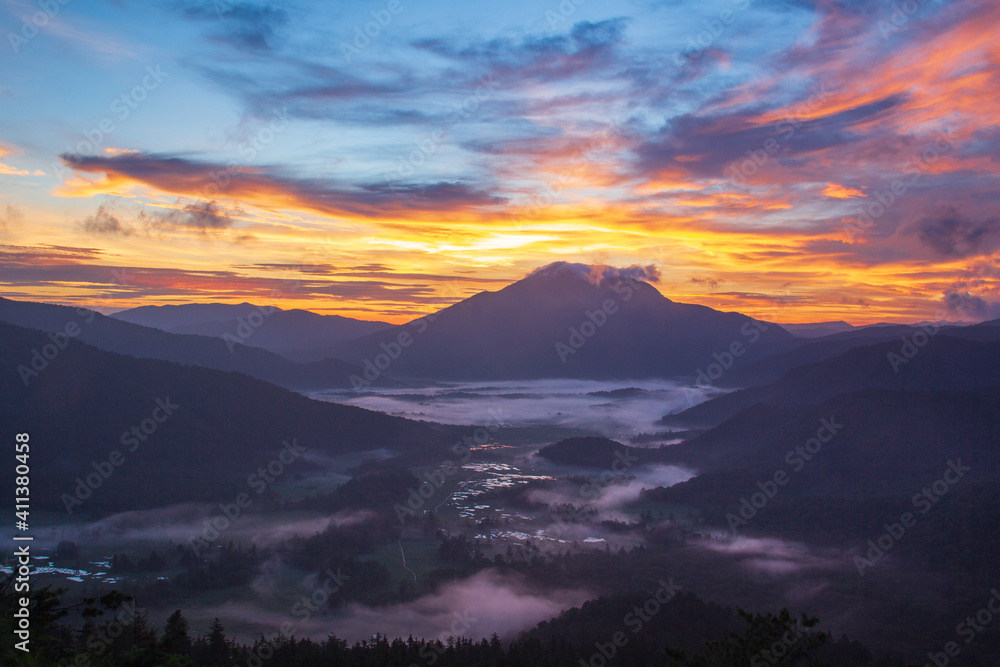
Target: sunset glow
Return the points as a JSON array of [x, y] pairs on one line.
[[810, 162]]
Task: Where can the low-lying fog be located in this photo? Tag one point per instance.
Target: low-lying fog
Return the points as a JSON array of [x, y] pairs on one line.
[[616, 409], [474, 606]]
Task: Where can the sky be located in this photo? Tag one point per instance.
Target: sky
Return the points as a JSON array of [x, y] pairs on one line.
[[794, 160]]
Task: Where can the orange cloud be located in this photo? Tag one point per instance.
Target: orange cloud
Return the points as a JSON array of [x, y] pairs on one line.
[[118, 173], [7, 170], [945, 69], [837, 191]]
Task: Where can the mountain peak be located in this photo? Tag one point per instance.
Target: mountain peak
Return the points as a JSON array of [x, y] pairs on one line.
[[599, 275]]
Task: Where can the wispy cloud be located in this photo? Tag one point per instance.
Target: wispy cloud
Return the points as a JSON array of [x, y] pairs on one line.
[[271, 189]]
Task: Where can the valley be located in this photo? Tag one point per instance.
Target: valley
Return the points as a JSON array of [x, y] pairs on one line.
[[445, 508]]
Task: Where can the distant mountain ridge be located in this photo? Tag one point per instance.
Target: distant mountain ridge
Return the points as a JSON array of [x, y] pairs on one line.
[[300, 335], [115, 335], [817, 329], [877, 443], [812, 350], [943, 363]]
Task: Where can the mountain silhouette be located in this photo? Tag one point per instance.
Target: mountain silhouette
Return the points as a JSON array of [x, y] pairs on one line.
[[299, 335], [108, 333], [572, 321], [203, 431]]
